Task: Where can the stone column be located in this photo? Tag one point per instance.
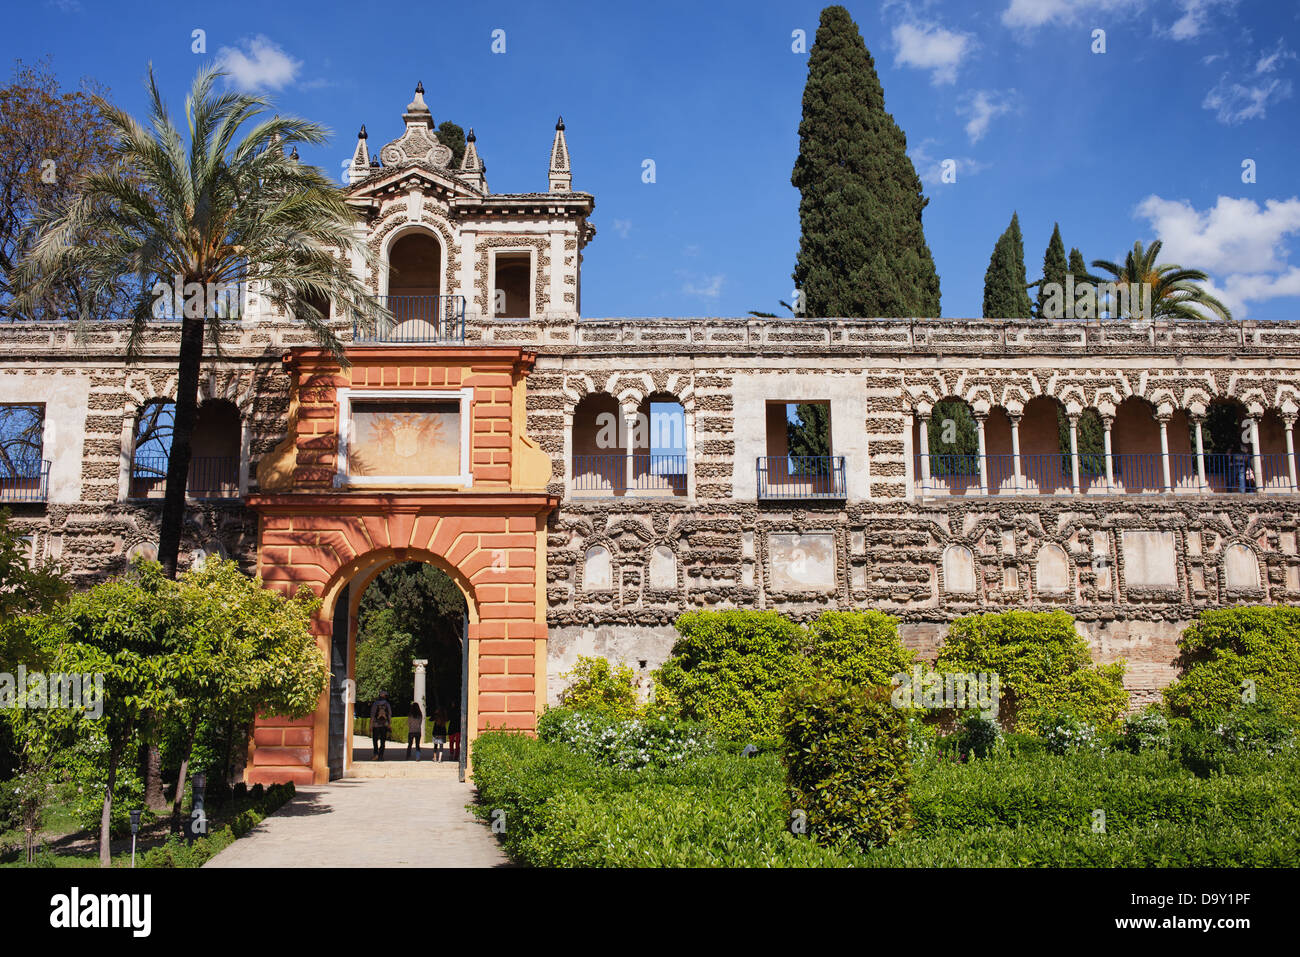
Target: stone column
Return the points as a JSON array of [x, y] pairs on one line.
[[1015, 450], [1201, 480], [629, 477], [1164, 453], [568, 452], [1107, 421], [420, 664], [1255, 455], [1289, 422], [1074, 452], [925, 453], [983, 459]]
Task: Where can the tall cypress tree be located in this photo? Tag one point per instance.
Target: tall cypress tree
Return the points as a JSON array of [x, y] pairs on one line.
[[1054, 268], [862, 251], [1079, 268], [1006, 295]]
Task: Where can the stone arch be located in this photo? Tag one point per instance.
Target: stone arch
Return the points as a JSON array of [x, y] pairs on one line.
[[1240, 567], [959, 570], [661, 569], [598, 568], [1052, 570]]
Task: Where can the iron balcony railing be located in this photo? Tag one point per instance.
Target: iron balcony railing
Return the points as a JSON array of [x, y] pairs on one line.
[[211, 476], [417, 319], [801, 476], [26, 485], [607, 474], [1131, 473]]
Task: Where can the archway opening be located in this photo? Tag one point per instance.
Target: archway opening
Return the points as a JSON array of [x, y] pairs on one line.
[[414, 285], [409, 632]]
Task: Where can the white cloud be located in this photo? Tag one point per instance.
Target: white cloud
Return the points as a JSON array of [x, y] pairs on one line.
[[260, 65], [1236, 239], [1268, 62], [982, 106], [708, 287], [1031, 14], [1237, 99], [622, 227], [928, 46], [1195, 15], [1234, 102], [930, 168]]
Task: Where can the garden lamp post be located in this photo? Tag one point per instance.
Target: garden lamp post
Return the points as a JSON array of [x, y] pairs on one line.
[[135, 829]]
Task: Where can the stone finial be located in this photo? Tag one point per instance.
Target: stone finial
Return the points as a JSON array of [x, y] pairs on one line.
[[561, 176], [471, 166], [417, 111], [293, 154], [359, 169]]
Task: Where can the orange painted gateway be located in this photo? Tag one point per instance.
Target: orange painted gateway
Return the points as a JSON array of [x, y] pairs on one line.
[[407, 454]]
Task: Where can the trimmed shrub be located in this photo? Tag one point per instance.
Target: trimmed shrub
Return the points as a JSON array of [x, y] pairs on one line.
[[1147, 730], [626, 743], [847, 762], [1065, 732], [596, 685], [979, 736], [1043, 666], [730, 669], [1226, 653], [860, 647]]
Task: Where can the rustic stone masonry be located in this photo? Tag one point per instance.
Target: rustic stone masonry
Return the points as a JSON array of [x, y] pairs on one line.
[[1133, 569]]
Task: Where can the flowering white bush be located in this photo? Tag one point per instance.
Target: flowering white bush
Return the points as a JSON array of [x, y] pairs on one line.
[[627, 743], [1065, 733]]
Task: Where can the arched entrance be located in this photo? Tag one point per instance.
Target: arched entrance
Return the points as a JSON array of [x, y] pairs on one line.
[[327, 527], [385, 621]]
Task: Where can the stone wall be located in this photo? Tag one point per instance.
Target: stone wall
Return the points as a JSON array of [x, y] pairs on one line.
[[1132, 568]]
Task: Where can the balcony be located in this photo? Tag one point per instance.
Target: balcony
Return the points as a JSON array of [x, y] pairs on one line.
[[210, 477], [597, 476], [426, 320], [31, 485], [1128, 473], [801, 477]]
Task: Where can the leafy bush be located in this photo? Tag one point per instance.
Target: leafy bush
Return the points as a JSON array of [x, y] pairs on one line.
[[1065, 732], [596, 685], [178, 852], [858, 647], [1043, 665], [1228, 652], [1147, 730], [626, 743], [979, 735], [731, 669], [560, 808], [847, 761]]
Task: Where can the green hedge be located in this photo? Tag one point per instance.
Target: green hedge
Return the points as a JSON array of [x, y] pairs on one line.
[[847, 762], [1043, 666], [178, 852], [1224, 649], [564, 810], [1018, 807], [731, 669]]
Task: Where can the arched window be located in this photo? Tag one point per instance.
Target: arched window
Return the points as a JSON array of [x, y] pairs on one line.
[[214, 450], [599, 447], [1135, 442], [659, 446], [24, 473], [954, 448]]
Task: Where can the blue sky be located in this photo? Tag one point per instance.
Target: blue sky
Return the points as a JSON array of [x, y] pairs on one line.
[[1143, 141]]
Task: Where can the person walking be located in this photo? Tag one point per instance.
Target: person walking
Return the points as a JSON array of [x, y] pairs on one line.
[[381, 719], [439, 732], [414, 729]]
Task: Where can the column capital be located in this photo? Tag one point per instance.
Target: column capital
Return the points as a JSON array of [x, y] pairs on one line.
[[1289, 421], [1014, 418], [1107, 421]]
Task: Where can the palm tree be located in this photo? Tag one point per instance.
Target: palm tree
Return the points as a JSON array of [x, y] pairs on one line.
[[219, 213], [1175, 293]]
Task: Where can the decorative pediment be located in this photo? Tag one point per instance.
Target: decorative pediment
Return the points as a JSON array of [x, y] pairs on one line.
[[418, 145]]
